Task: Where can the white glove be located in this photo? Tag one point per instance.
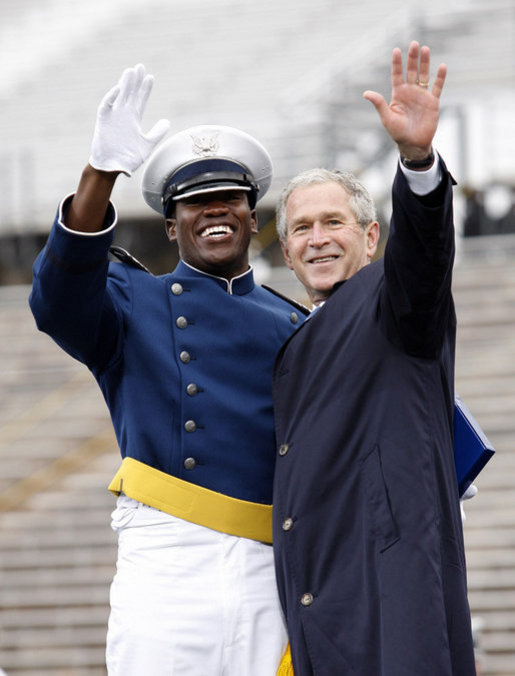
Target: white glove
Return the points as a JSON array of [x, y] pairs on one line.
[[119, 143], [469, 493]]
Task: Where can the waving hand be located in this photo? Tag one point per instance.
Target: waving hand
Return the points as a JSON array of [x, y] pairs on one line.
[[411, 117]]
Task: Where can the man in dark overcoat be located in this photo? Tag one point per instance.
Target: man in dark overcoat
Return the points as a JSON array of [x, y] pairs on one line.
[[367, 530]]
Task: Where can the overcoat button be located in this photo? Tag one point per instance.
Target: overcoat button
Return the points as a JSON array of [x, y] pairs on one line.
[[177, 289], [288, 524], [307, 599], [185, 357], [294, 317], [190, 463], [190, 425], [192, 389], [181, 322], [283, 449]]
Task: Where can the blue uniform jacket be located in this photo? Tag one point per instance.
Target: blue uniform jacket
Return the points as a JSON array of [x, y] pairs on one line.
[[367, 528], [184, 360]]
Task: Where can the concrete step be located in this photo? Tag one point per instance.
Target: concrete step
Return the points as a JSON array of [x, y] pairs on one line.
[[62, 577], [498, 579], [90, 535], [64, 637], [50, 660], [56, 596]]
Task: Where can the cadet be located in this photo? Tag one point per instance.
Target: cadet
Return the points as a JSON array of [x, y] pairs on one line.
[[185, 362]]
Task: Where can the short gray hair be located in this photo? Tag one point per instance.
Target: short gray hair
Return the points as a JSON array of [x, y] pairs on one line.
[[360, 200]]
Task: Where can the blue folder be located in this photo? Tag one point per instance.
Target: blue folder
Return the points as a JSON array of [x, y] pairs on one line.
[[472, 449]]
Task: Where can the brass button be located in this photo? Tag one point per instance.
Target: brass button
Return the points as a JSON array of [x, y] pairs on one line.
[[181, 322], [190, 425], [190, 463], [294, 317], [185, 357], [283, 449], [288, 524], [192, 389], [307, 599], [177, 289]]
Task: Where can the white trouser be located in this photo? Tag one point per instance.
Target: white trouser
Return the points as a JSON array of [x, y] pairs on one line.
[[189, 601]]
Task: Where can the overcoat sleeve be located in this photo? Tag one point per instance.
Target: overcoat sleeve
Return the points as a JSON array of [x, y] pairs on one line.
[[418, 262]]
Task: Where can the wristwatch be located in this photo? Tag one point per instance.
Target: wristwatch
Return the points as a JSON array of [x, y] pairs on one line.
[[425, 163]]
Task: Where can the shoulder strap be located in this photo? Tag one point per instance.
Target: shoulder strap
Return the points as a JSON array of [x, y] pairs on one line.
[[127, 258], [299, 306]]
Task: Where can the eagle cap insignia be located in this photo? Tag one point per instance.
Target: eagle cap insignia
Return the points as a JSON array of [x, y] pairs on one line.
[[205, 145]]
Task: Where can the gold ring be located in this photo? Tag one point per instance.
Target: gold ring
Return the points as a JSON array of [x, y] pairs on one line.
[[423, 84]]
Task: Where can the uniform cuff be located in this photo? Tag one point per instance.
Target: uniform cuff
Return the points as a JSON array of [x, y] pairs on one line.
[[110, 220]]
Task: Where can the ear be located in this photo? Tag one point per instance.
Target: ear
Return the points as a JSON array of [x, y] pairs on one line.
[[170, 225], [286, 254], [254, 227], [372, 233]]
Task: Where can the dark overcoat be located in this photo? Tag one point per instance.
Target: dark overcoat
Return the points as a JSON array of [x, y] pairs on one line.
[[367, 529]]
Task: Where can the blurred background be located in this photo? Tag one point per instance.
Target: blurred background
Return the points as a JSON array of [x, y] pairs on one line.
[[292, 73]]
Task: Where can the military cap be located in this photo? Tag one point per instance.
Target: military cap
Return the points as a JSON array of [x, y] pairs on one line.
[[202, 159]]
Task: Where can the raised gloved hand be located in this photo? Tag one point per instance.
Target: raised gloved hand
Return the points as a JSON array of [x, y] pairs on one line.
[[119, 143], [469, 493]]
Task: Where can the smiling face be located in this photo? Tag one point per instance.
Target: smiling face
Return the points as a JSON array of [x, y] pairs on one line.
[[324, 244], [213, 231]]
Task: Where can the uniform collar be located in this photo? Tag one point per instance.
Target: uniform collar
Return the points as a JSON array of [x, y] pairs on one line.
[[239, 285]]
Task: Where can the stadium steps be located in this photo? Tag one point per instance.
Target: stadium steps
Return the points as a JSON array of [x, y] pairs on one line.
[[57, 557], [484, 289], [57, 552]]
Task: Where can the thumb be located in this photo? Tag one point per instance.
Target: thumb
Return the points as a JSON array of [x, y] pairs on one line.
[[158, 131], [376, 100]]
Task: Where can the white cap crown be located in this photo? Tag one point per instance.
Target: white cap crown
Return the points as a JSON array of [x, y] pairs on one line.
[[204, 159]]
